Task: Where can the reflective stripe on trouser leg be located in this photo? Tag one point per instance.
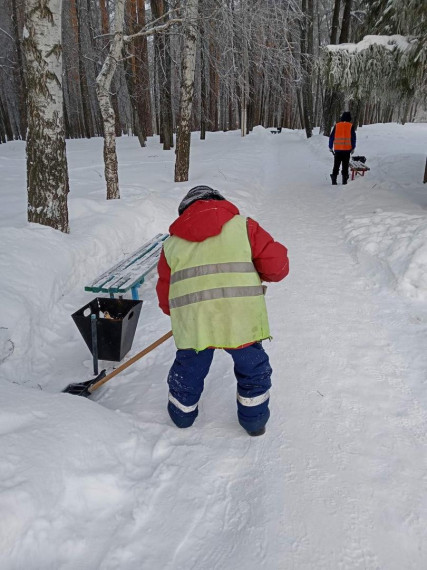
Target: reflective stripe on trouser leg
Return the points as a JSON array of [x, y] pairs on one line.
[[186, 380], [253, 373], [255, 401], [177, 404]]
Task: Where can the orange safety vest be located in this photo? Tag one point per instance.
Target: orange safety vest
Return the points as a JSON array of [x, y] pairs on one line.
[[342, 139]]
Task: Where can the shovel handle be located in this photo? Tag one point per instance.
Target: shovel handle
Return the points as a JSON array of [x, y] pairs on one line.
[[130, 362]]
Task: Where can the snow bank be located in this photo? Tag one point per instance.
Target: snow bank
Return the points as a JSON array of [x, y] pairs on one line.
[[390, 231], [43, 266], [73, 472], [109, 483], [399, 241]]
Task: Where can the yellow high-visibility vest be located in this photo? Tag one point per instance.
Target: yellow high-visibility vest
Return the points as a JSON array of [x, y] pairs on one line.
[[215, 297]]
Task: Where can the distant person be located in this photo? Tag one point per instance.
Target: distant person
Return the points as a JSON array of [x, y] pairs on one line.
[[210, 274], [342, 143]]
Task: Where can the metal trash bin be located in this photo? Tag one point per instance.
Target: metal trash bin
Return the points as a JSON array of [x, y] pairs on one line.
[[116, 321]]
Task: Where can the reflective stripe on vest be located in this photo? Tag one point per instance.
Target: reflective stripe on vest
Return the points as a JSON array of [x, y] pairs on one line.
[[342, 139], [255, 401], [236, 267], [219, 293], [215, 295]]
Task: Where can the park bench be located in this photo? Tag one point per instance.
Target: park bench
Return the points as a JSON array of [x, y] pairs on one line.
[[358, 167], [129, 274]]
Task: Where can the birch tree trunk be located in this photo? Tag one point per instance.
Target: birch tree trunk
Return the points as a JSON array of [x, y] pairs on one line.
[[47, 172], [105, 28], [182, 162], [103, 84]]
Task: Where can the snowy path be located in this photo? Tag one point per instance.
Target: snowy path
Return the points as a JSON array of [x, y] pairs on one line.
[[312, 493], [349, 422], [339, 480]]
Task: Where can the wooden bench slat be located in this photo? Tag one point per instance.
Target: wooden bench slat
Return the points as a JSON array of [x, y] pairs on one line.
[[121, 265], [140, 267], [108, 275], [133, 274], [130, 272]]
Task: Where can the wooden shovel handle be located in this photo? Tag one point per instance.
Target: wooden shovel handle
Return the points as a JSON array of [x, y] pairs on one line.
[[130, 361]]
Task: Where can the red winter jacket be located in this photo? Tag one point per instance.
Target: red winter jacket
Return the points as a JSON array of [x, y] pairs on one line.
[[205, 218]]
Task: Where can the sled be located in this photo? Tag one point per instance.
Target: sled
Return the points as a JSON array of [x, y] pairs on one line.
[[87, 388], [357, 166]]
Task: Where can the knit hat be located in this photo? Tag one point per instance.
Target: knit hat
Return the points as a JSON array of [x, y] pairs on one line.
[[198, 193], [346, 117]]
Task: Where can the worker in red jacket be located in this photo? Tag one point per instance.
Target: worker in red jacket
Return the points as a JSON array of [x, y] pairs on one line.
[[210, 274]]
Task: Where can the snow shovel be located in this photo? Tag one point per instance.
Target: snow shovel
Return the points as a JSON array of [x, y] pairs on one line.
[[85, 389]]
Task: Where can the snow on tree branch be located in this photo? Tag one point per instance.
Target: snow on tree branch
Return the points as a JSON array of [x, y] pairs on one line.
[[391, 43], [383, 66]]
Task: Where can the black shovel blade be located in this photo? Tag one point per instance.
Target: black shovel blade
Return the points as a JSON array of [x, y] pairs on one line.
[[82, 388]]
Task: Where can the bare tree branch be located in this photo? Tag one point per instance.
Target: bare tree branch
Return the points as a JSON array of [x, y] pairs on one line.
[[152, 31]]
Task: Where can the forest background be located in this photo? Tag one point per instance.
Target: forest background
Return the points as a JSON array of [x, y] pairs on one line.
[[87, 68]]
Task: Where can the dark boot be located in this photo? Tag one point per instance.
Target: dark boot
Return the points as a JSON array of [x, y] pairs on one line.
[[344, 179], [256, 433], [334, 179]]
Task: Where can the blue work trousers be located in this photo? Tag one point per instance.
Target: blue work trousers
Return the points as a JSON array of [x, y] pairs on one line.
[[253, 373]]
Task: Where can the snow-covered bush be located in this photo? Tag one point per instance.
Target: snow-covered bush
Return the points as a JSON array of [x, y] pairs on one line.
[[385, 67]]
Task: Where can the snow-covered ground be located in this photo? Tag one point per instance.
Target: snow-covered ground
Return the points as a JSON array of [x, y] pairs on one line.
[[339, 481]]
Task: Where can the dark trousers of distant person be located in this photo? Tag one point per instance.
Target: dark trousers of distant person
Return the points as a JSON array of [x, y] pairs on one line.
[[341, 158]]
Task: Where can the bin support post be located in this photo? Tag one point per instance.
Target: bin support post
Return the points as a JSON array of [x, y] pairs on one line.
[[135, 295], [94, 344]]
